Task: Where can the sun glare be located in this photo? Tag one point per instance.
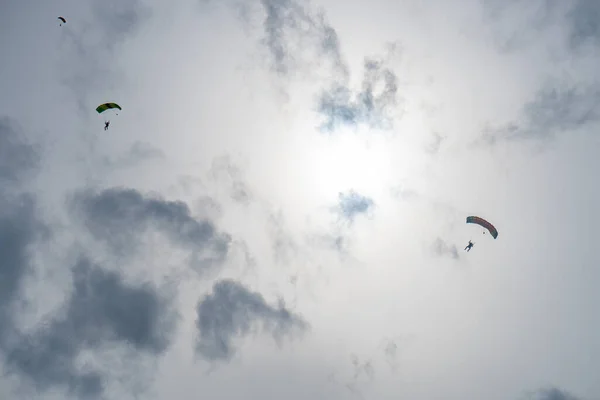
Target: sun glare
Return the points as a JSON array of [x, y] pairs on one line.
[[350, 160]]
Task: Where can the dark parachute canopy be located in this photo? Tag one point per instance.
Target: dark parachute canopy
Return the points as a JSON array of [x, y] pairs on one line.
[[64, 21], [482, 222], [107, 106]]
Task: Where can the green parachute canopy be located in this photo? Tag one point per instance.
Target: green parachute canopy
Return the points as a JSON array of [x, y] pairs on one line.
[[107, 106], [482, 222]]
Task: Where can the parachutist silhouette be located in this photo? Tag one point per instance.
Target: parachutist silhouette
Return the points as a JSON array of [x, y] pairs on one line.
[[469, 246]]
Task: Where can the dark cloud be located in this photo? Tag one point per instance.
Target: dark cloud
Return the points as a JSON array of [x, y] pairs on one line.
[[102, 310], [553, 394], [103, 306], [352, 204], [584, 21], [20, 225], [373, 105], [20, 229], [18, 158], [231, 311], [563, 108], [535, 13], [291, 28], [442, 249], [119, 217], [556, 109], [582, 18]]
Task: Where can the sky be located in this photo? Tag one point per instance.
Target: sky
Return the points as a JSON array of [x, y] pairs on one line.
[[278, 210]]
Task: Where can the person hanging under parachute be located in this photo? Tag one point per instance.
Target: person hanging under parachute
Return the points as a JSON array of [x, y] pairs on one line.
[[107, 106], [64, 21], [481, 222]]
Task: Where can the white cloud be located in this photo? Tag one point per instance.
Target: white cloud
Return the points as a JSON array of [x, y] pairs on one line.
[[199, 227]]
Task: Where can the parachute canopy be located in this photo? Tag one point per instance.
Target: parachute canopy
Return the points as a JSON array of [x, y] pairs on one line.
[[63, 20], [484, 223], [107, 106]]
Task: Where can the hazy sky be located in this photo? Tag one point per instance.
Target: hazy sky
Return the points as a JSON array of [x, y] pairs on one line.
[[279, 209]]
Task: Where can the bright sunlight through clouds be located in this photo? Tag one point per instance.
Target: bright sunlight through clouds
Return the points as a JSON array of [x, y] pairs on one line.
[[279, 209]]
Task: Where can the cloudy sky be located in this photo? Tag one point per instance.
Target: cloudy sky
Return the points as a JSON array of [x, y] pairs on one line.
[[279, 209]]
